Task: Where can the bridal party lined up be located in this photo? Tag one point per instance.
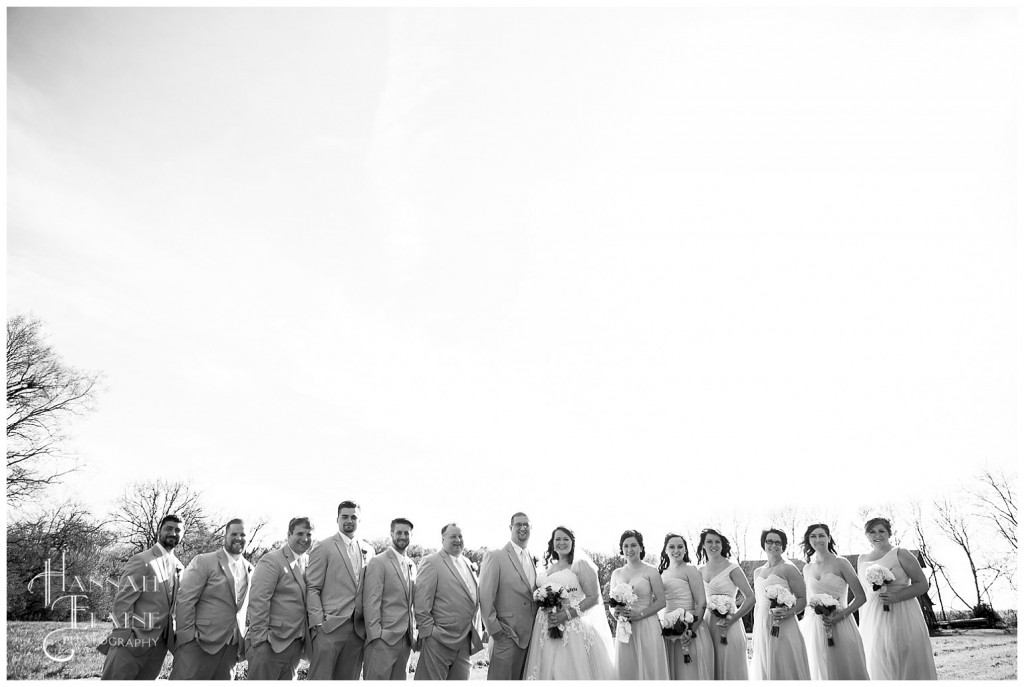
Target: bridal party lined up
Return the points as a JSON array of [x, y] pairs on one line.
[[354, 612]]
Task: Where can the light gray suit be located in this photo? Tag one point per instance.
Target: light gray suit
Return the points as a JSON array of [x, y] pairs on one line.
[[278, 620], [387, 610], [143, 625], [447, 617], [209, 618], [334, 599], [508, 610]]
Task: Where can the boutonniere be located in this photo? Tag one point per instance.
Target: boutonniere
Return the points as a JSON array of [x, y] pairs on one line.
[[536, 561], [474, 567]]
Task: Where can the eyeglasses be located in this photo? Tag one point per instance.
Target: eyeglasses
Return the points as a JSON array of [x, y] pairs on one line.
[[772, 542]]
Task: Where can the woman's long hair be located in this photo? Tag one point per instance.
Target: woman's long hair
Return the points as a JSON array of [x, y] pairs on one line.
[[551, 554], [808, 549], [726, 548], [665, 562]]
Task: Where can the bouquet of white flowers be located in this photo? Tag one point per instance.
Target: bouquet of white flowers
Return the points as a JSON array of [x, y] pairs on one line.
[[779, 596], [879, 576], [622, 596], [722, 606], [824, 605], [550, 598], [675, 625]]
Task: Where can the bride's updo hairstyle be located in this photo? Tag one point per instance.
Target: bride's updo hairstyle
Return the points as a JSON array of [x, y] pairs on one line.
[[702, 554], [878, 521], [639, 540], [663, 565], [551, 554], [808, 549]]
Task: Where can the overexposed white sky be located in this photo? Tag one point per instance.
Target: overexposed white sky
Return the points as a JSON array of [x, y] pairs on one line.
[[613, 267]]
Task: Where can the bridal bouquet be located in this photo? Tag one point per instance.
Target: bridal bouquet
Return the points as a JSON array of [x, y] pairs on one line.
[[779, 596], [550, 598], [879, 576], [825, 605], [676, 625], [622, 595], [723, 606]]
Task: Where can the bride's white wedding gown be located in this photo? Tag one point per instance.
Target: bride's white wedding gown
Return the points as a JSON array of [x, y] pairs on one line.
[[584, 650]]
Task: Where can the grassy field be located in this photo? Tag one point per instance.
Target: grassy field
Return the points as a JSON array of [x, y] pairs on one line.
[[973, 655]]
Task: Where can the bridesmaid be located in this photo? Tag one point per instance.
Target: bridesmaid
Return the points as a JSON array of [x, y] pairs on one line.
[[684, 589], [783, 657], [643, 657], [895, 641], [828, 573], [722, 576]]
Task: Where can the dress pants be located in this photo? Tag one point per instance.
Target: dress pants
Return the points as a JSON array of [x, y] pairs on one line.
[[441, 662], [123, 663], [387, 661], [337, 655], [266, 664], [507, 660], [191, 662]]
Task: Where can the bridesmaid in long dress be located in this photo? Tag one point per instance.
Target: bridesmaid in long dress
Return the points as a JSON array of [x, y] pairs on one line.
[[684, 589], [643, 657], [783, 657], [895, 641], [828, 573], [723, 577]]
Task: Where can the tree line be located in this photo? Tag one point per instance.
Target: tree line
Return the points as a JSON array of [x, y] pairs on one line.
[[974, 530]]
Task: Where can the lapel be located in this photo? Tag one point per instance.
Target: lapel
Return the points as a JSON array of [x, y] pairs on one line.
[[398, 569], [514, 557], [344, 555], [291, 560], [168, 582], [225, 567], [458, 575]]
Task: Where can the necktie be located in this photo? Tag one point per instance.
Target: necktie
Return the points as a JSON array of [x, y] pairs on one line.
[[464, 570], [353, 556], [531, 574], [303, 562], [239, 573]]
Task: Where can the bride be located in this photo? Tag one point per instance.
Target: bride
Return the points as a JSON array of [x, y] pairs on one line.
[[583, 652]]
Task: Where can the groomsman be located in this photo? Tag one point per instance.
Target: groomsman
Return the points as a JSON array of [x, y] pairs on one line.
[[210, 610], [143, 625], [447, 611], [387, 608], [278, 632], [334, 599], [507, 581]]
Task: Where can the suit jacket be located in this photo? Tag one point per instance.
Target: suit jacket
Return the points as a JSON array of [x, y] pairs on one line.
[[506, 596], [207, 609], [387, 599], [277, 601], [144, 602], [444, 608], [333, 594]]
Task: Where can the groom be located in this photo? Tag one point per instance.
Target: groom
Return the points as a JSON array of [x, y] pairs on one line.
[[507, 581]]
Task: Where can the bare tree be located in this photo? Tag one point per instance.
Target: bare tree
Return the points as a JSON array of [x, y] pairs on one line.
[[144, 504], [42, 395], [997, 499], [954, 524], [937, 569]]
